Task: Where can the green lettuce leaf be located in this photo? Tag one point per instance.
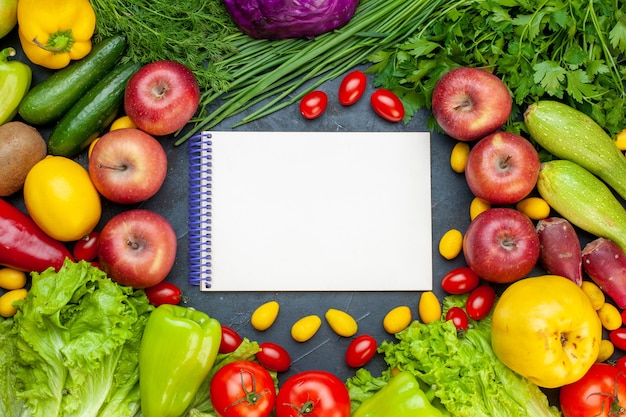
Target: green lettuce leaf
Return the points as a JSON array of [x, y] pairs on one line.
[[76, 338]]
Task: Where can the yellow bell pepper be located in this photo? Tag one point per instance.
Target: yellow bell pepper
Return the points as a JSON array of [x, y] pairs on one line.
[[55, 32]]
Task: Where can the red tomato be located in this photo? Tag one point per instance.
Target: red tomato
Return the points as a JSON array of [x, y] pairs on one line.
[[164, 292], [242, 388], [387, 105], [460, 280], [313, 104], [480, 301], [360, 351], [618, 338], [87, 247], [230, 340], [458, 317], [600, 392], [273, 357], [313, 394], [352, 87], [623, 314]]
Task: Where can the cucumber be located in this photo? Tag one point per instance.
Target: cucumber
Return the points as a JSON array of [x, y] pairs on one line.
[[570, 134], [583, 199], [92, 113], [47, 101]]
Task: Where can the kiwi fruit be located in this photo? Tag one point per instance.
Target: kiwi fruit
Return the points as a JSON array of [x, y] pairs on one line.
[[21, 147]]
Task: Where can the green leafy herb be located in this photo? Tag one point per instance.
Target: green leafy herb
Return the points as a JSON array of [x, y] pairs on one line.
[[569, 50], [192, 32]]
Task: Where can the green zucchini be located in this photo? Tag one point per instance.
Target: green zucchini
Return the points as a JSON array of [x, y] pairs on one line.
[[570, 134], [583, 199], [47, 101], [92, 113]]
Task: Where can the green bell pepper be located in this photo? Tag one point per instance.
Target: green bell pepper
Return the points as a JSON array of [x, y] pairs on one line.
[[178, 348], [402, 396], [15, 79]]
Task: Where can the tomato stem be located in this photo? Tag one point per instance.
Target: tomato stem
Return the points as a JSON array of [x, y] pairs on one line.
[[251, 397]]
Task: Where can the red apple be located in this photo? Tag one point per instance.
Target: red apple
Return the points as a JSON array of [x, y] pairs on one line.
[[162, 97], [137, 248], [470, 103], [502, 168], [127, 166], [501, 245]]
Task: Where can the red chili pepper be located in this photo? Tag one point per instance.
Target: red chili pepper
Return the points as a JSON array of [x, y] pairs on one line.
[[24, 246]]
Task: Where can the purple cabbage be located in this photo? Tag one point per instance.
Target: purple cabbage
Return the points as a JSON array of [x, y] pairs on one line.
[[280, 19]]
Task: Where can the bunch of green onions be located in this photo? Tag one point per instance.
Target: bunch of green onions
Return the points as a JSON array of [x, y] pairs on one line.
[[273, 70]]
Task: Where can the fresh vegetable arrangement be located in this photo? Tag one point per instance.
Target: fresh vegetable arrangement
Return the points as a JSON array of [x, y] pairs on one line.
[[113, 332], [459, 372], [571, 51]]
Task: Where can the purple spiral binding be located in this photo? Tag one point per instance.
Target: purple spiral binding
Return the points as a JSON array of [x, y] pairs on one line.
[[200, 171]]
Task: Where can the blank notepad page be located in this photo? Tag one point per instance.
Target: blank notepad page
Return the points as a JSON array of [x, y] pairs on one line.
[[312, 211]]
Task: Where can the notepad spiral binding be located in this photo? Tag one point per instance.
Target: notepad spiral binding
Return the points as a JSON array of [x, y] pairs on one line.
[[200, 171]]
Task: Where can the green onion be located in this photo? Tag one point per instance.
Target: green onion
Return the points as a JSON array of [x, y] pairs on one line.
[[274, 70]]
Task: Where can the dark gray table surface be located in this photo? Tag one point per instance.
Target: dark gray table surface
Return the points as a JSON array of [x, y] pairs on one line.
[[450, 209]]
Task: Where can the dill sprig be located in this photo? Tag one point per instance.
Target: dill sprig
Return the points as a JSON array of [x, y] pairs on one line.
[[192, 32]]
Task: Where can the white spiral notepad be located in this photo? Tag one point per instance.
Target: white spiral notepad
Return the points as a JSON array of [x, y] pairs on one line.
[[310, 211]]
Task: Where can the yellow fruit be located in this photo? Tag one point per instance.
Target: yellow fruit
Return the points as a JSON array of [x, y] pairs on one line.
[[545, 329], [620, 140], [123, 122], [595, 294], [91, 145], [7, 309], [477, 206], [305, 328], [397, 319], [341, 322], [61, 198], [535, 208], [12, 279], [606, 350], [610, 316], [451, 244], [265, 315], [429, 307], [458, 157]]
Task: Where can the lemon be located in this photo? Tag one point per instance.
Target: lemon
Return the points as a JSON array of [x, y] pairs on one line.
[[61, 199]]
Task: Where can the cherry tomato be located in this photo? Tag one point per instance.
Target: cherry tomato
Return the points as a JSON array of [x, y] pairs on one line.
[[480, 301], [623, 314], [242, 388], [600, 392], [458, 317], [360, 351], [87, 247], [313, 394], [352, 87], [387, 105], [273, 357], [164, 292], [460, 280], [230, 340], [313, 104], [618, 338]]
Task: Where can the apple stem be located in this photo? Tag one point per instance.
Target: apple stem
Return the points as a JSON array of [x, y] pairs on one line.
[[132, 244], [117, 168], [505, 163]]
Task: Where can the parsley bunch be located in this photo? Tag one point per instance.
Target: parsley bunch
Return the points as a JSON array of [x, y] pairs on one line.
[[570, 50]]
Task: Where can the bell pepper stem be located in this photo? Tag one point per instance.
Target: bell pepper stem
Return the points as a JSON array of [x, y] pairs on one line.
[[58, 42], [6, 53]]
